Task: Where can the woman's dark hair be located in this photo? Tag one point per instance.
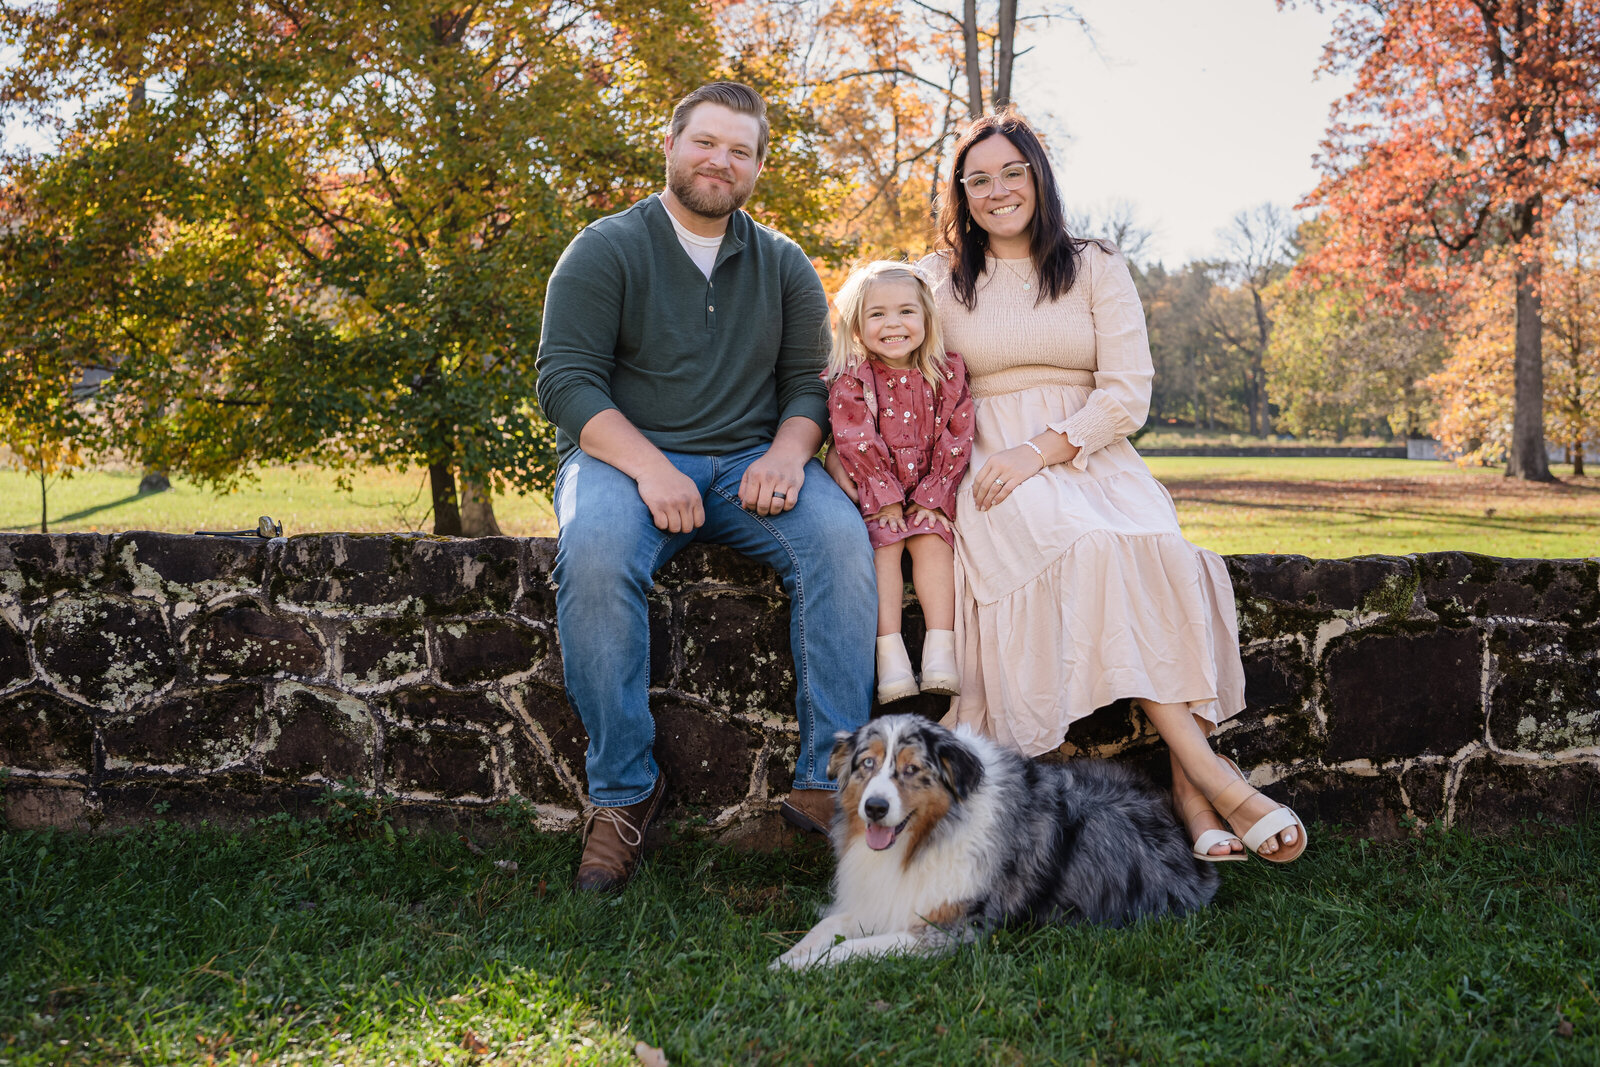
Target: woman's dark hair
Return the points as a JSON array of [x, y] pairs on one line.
[[1055, 252]]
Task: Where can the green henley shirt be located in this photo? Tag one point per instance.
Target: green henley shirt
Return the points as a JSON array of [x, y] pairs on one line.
[[701, 365]]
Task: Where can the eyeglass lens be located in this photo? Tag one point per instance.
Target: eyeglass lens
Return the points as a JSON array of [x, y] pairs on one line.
[[981, 185]]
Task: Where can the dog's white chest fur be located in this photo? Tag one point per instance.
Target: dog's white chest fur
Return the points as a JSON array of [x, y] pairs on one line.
[[882, 894]]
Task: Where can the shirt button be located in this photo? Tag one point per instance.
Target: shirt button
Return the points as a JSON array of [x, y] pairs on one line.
[[711, 307]]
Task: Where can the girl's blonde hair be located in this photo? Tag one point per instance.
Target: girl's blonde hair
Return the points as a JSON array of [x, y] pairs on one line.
[[851, 303]]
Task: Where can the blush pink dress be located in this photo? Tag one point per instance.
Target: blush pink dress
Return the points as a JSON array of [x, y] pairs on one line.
[[1079, 589], [902, 440]]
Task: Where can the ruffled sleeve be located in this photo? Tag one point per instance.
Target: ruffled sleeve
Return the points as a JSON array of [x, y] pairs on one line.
[[861, 448], [952, 449], [1123, 370]]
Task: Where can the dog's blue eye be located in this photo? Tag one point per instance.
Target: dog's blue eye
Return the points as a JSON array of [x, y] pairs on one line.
[[868, 763]]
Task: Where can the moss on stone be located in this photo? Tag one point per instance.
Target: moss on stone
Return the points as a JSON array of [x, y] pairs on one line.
[[1395, 596]]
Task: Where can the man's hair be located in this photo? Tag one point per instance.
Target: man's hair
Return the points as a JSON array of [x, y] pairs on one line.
[[731, 95]]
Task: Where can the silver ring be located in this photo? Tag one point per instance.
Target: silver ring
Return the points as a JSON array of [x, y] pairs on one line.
[[776, 495], [999, 481]]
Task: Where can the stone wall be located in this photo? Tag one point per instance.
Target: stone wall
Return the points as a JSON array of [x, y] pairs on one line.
[[149, 675]]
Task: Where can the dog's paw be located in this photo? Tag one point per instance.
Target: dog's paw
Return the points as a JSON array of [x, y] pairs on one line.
[[793, 961]]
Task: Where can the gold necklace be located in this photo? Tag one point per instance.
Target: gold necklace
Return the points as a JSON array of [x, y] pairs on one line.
[[1027, 282]]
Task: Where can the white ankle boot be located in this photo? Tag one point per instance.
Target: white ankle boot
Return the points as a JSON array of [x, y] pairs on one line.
[[895, 680], [939, 672]]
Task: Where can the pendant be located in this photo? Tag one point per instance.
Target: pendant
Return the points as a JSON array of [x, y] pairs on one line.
[[1027, 285]]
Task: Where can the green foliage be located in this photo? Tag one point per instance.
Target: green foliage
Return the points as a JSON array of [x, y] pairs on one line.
[[355, 814], [305, 232], [1341, 362], [289, 944]]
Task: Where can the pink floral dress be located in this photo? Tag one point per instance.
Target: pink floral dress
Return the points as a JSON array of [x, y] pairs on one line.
[[902, 440]]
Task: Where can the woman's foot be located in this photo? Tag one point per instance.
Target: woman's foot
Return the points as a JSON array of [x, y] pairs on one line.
[[1209, 838], [1269, 829]]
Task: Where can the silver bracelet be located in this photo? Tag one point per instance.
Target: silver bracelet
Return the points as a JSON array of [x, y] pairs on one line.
[[1039, 450]]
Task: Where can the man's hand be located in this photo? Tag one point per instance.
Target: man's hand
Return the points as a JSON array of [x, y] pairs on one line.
[[772, 483], [673, 499], [892, 516]]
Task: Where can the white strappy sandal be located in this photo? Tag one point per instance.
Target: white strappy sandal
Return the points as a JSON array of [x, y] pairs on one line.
[[1233, 797]]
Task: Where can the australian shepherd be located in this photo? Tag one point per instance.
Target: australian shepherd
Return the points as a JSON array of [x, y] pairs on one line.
[[941, 835]]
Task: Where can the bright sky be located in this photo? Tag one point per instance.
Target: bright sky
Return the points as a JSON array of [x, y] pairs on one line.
[[1193, 111]]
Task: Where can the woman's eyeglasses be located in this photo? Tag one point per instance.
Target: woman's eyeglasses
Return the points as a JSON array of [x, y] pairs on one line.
[[979, 185]]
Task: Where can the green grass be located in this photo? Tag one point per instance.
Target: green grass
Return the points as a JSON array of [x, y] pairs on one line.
[[1331, 508], [304, 499], [293, 943], [1326, 508]]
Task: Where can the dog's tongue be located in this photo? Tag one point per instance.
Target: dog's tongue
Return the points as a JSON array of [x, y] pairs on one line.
[[879, 837]]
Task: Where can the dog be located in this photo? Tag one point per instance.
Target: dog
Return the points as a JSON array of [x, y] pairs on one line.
[[942, 835]]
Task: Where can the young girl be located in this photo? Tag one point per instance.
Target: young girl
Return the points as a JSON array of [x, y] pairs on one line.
[[902, 426]]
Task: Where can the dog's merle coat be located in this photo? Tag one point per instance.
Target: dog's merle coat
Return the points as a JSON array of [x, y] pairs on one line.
[[940, 835]]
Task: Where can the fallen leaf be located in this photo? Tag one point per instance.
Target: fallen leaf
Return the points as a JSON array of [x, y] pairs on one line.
[[473, 1043], [649, 1055], [1564, 1027], [509, 866], [472, 846]]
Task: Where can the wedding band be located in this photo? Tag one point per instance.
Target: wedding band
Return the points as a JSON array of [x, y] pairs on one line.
[[776, 495]]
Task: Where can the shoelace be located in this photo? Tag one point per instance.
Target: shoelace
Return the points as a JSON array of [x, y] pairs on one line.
[[623, 824]]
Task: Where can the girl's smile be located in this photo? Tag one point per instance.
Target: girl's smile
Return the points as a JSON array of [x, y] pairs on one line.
[[892, 327]]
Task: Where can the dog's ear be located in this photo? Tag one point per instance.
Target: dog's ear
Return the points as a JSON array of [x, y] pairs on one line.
[[843, 744], [959, 766]]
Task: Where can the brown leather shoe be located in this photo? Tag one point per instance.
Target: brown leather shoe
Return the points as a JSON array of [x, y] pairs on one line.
[[614, 842], [810, 809]]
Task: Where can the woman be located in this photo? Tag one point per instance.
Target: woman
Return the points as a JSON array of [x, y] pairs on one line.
[[1074, 585]]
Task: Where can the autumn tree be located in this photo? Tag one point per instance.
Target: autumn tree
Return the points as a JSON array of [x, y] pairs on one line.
[[1572, 280], [1469, 123], [885, 85], [1473, 388], [324, 233]]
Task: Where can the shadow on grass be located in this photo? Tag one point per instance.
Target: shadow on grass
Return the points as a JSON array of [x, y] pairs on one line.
[[1554, 525], [82, 513]]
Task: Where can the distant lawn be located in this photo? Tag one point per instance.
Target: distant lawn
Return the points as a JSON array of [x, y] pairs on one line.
[[1330, 508], [1325, 508], [304, 499], [291, 944]]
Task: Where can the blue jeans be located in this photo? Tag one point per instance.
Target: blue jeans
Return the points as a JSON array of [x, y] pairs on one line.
[[607, 551]]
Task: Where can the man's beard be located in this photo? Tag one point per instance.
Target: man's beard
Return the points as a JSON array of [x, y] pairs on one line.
[[706, 203]]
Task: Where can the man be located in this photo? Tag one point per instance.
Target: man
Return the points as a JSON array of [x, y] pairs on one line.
[[679, 363]]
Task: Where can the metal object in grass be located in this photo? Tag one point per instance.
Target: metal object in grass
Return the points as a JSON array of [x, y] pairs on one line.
[[266, 527]]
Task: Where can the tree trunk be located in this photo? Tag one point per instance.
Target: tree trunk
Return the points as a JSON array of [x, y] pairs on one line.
[[1528, 459], [1258, 370], [969, 36], [446, 510], [477, 509], [1577, 457], [1005, 52], [44, 502]]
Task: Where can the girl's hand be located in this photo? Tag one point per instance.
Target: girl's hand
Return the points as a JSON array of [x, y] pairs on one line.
[[836, 471], [1003, 473], [893, 516], [933, 518]]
